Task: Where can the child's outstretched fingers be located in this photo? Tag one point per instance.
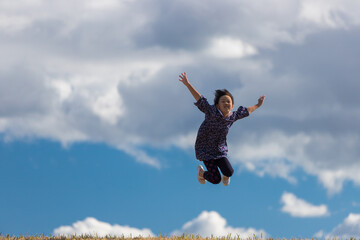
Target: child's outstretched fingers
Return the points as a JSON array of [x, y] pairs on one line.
[[261, 100], [183, 78]]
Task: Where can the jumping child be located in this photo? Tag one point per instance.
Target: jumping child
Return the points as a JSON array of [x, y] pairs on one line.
[[210, 146]]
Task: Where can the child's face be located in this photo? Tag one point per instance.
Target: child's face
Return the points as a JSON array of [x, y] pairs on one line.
[[225, 105]]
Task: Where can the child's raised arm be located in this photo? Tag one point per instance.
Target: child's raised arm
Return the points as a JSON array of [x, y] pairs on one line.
[[260, 102], [185, 81]]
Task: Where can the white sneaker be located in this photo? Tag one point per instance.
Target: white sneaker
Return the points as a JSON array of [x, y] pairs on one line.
[[225, 180], [200, 179]]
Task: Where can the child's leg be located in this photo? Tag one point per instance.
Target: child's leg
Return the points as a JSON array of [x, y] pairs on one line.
[[212, 174], [225, 167]]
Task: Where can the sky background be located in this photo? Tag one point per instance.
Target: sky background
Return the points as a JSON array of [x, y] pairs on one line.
[[97, 134]]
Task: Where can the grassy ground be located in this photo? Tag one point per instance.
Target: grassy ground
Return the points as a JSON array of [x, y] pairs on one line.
[[115, 238], [160, 237]]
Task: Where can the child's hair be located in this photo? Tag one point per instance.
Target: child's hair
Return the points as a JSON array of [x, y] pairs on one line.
[[221, 92]]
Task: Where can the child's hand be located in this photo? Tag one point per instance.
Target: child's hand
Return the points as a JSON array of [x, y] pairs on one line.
[[261, 100], [184, 79]]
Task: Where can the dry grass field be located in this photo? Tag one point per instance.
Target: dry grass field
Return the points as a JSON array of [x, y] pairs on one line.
[[160, 237], [116, 238]]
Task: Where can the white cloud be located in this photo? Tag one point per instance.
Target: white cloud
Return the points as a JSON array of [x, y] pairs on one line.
[[12, 24], [92, 226], [140, 156], [268, 154], [227, 47], [109, 75], [278, 154], [184, 141], [330, 14], [77, 101], [211, 223], [103, 5], [349, 228], [109, 106], [206, 224], [63, 88], [323, 13], [297, 207]]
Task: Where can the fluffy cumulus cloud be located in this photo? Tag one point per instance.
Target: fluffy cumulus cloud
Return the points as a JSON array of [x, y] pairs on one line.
[[278, 154], [349, 228], [92, 226], [206, 224], [107, 72], [297, 207], [211, 223]]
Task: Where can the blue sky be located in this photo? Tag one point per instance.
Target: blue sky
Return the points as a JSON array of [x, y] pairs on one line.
[[97, 133]]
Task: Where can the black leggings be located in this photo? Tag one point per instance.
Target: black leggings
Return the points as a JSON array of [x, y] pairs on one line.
[[212, 174]]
